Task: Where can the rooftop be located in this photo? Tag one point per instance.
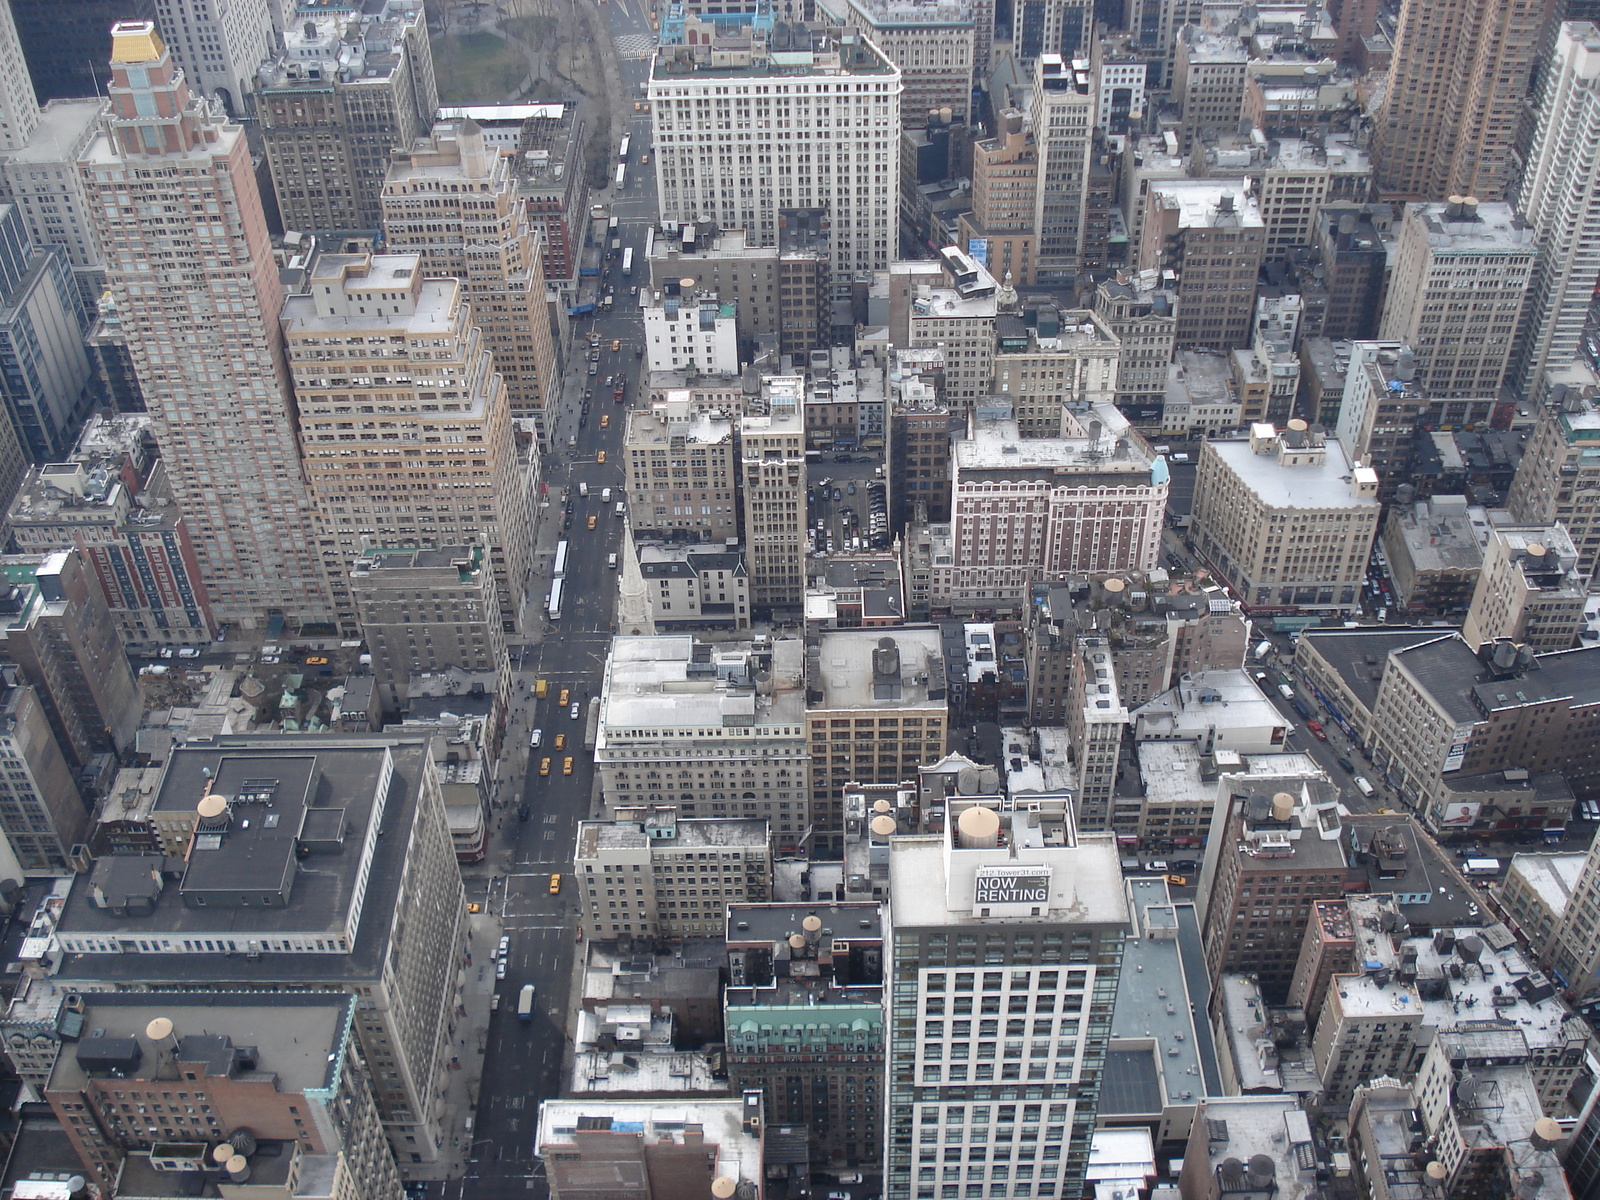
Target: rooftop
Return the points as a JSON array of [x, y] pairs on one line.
[[1358, 656], [1551, 877], [1105, 448], [662, 423], [1208, 203], [690, 833], [719, 1122], [64, 126], [1207, 701], [349, 46], [1490, 228], [1398, 858], [869, 668], [1247, 1129], [1309, 482], [673, 682], [1443, 534]]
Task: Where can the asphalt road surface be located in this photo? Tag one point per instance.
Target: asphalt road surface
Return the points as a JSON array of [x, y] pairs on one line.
[[523, 1062]]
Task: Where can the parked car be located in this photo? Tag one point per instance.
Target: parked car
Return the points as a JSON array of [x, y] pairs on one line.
[[500, 969], [1346, 765]]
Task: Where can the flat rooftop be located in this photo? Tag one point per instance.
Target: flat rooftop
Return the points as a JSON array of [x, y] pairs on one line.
[[1199, 202], [1358, 656], [63, 125], [652, 427], [692, 833], [1445, 534], [1551, 877], [1320, 485], [720, 1123], [674, 685], [997, 446], [1494, 228], [853, 669], [1241, 1127], [769, 923]]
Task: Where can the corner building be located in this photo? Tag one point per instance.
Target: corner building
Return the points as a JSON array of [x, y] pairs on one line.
[[1006, 932], [189, 266]]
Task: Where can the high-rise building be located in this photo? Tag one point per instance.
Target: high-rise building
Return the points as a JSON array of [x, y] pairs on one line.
[[198, 1067], [1208, 85], [1210, 235], [1065, 361], [1274, 831], [666, 1149], [224, 421], [919, 444], [716, 729], [649, 873], [363, 817], [1382, 405], [1355, 266], [1156, 25], [550, 175], [452, 179], [1143, 316], [690, 330], [877, 708], [1560, 471], [41, 178], [112, 503], [67, 43], [466, 483], [1559, 195], [1096, 717], [679, 472], [831, 982], [1460, 276], [798, 147], [948, 305], [1256, 498], [1063, 136], [55, 626], [219, 46], [1031, 510], [1529, 589], [772, 486], [348, 88], [1006, 943], [1457, 84], [43, 817], [19, 107], [1005, 187], [458, 625], [930, 41]]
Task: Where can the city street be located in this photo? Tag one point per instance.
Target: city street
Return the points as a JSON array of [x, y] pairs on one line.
[[523, 1061]]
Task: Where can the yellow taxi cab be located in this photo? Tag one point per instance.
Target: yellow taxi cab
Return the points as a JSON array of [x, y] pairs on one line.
[[616, 344], [555, 884], [605, 420], [591, 522], [1177, 880], [566, 765], [561, 741], [600, 458], [474, 907], [644, 160], [562, 699], [544, 766]]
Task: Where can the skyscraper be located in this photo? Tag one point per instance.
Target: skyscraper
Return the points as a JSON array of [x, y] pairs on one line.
[[190, 266], [1006, 944], [218, 45], [1063, 126], [348, 88], [439, 468], [1560, 471], [1560, 197], [815, 121], [19, 110], [1457, 85], [68, 42], [772, 470], [451, 179]]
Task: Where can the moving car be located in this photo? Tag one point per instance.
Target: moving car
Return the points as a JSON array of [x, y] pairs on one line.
[[535, 738], [600, 457], [1346, 765], [562, 698], [566, 765], [591, 520], [474, 907], [555, 884], [561, 741], [544, 766], [1316, 730], [616, 344], [574, 712]]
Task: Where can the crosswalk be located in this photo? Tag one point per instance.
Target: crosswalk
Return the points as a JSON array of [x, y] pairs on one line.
[[635, 45]]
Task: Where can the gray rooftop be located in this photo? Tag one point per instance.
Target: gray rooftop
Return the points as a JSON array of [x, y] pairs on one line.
[[1358, 656]]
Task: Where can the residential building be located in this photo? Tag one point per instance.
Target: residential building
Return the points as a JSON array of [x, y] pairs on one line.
[[1143, 318], [55, 626], [1458, 81], [112, 503], [679, 472], [1208, 85], [931, 42], [1328, 949], [695, 587], [453, 178], [1434, 550], [1275, 848], [41, 178], [1571, 946], [1210, 235], [1355, 267], [649, 873], [448, 498], [224, 422], [787, 136], [43, 818], [1286, 519], [1382, 405], [1063, 132], [1560, 470], [820, 970], [1096, 717], [1050, 980], [919, 450], [458, 625], [1528, 591], [337, 927], [1120, 68], [716, 729], [951, 306], [1267, 374], [663, 1150], [44, 368], [877, 708], [548, 163], [115, 383], [1534, 895], [695, 331], [772, 473], [1005, 189], [1451, 259], [1249, 1143], [1038, 509], [1065, 361], [348, 88], [285, 1071], [856, 591]]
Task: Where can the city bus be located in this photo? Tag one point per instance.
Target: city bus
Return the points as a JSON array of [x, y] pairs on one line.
[[622, 150], [560, 571], [627, 262], [525, 1003], [622, 176], [555, 599]]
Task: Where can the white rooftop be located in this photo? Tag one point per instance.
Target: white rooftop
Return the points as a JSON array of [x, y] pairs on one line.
[[649, 687], [1199, 202], [721, 1122], [1549, 876], [1324, 484]]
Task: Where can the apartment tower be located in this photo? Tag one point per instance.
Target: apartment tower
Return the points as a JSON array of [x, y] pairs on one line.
[[439, 466], [452, 199], [189, 265], [1457, 87]]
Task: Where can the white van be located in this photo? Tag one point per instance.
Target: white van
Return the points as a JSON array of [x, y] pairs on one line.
[[1362, 786], [611, 561], [583, 489], [605, 495], [619, 508]]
